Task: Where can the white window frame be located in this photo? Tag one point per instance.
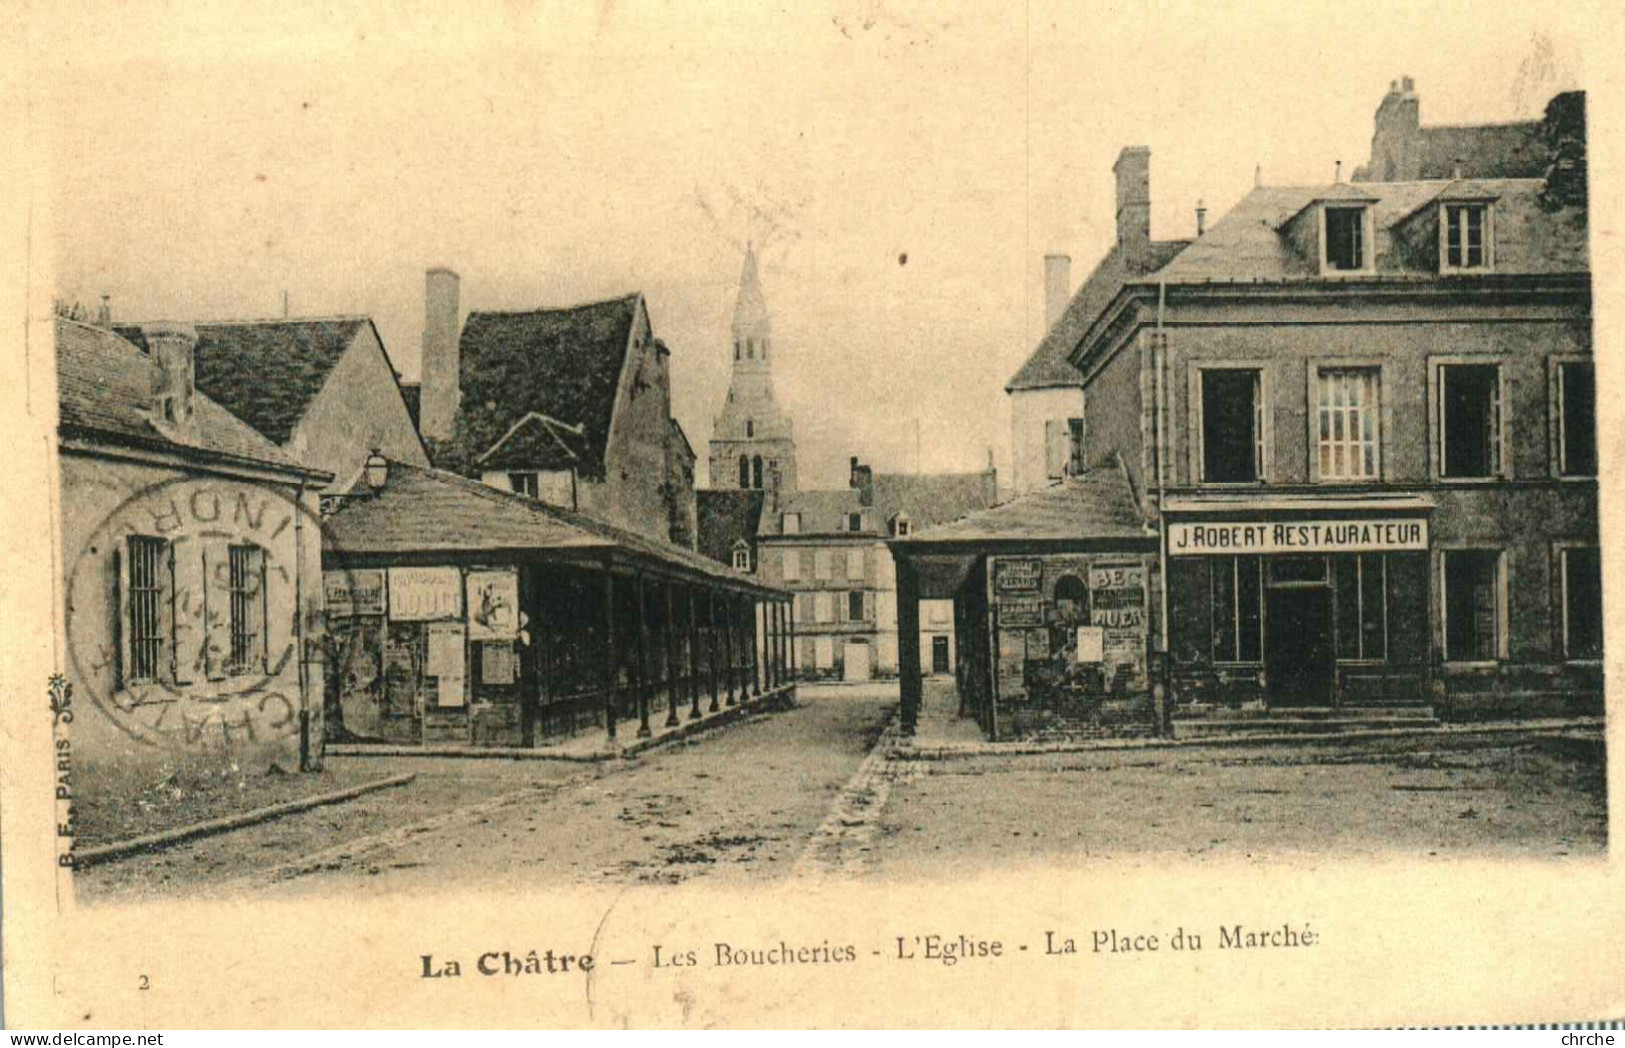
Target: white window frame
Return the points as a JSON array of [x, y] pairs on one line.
[[1561, 549], [1442, 552], [1263, 422], [1367, 239], [1554, 382], [1317, 375], [901, 526], [526, 483], [1436, 427], [1488, 264], [742, 558], [790, 565]]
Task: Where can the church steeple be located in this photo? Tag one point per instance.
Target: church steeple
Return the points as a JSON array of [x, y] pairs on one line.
[[753, 443]]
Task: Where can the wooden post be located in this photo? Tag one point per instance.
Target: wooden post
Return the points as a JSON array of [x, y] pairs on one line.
[[782, 646], [791, 667], [643, 658], [908, 642], [758, 610], [673, 687], [728, 624], [711, 646], [694, 651], [611, 655]]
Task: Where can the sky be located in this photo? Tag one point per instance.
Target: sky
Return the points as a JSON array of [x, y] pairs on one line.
[[901, 168]]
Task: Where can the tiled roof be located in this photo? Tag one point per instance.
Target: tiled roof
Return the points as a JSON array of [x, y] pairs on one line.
[[726, 516], [104, 390], [537, 442], [823, 512], [1048, 365], [932, 498], [423, 510], [1248, 244], [267, 372], [1096, 504], [563, 363]]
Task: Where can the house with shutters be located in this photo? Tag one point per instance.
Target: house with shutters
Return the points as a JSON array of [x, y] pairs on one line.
[[193, 593], [323, 389]]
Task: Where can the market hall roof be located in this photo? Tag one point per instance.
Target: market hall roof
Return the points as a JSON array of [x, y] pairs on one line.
[[1098, 504], [927, 499], [563, 363], [267, 372], [422, 513], [104, 393]]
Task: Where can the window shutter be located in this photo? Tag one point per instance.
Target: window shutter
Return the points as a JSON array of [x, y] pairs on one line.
[[1056, 437], [265, 614], [216, 601], [868, 606], [121, 618], [179, 671]]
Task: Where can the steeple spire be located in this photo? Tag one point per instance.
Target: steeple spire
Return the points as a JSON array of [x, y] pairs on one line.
[[750, 309], [753, 440]]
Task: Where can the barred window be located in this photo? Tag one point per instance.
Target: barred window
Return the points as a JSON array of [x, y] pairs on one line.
[[149, 567], [1350, 426], [246, 592]]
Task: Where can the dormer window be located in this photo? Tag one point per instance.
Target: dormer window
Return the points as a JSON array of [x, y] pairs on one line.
[[854, 522], [1465, 230], [525, 483], [900, 526], [741, 557], [1345, 240]]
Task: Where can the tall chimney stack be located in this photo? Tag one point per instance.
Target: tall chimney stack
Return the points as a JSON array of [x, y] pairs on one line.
[[1133, 171], [441, 369], [172, 352], [1057, 287], [104, 312], [1201, 217]]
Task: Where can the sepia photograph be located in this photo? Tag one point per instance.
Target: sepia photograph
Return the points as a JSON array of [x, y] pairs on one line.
[[525, 457]]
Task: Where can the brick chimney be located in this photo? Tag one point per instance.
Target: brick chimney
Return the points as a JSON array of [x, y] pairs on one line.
[[441, 393], [172, 351], [863, 482], [990, 481], [1057, 287], [1133, 171], [1396, 137]]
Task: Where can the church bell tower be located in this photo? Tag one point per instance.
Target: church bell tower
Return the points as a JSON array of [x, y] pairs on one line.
[[753, 442]]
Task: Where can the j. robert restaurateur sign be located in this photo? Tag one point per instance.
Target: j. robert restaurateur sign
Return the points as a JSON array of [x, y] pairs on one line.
[[1297, 536]]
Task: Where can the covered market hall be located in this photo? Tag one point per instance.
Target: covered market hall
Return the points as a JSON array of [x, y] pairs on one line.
[[1054, 614], [463, 615]]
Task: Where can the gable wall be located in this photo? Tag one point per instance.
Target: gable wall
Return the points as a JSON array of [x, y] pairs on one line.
[[359, 408]]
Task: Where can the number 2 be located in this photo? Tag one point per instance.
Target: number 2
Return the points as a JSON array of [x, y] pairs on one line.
[[145, 984]]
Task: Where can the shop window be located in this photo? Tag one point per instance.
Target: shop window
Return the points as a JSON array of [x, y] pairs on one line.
[[1345, 236], [149, 583], [791, 561], [246, 596], [526, 484], [1466, 236], [1297, 569], [1577, 422], [1470, 413], [1350, 425], [854, 606], [1238, 609], [1472, 599], [1232, 426], [1582, 603], [1362, 607]]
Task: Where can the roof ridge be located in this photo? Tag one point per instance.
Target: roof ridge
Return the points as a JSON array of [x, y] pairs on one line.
[[629, 297], [231, 321]]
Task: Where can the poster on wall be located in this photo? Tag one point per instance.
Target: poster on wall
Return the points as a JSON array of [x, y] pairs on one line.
[[1021, 612], [445, 650], [498, 663], [1018, 575], [1091, 644], [493, 605], [1117, 610], [347, 594], [425, 593]]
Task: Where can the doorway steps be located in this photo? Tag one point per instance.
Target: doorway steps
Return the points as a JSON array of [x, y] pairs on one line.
[[1191, 724]]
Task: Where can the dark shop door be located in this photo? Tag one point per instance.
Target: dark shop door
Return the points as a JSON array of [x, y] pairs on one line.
[[1298, 646], [939, 655]]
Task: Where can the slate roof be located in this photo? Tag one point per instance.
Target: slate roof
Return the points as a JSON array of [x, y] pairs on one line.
[[1513, 150], [412, 393], [932, 498], [537, 442], [683, 445], [425, 510], [727, 516], [1048, 366], [1096, 504], [563, 363], [823, 512], [1248, 244], [104, 392], [267, 372]]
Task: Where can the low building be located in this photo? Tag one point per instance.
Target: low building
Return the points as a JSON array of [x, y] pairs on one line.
[[465, 615], [193, 594]]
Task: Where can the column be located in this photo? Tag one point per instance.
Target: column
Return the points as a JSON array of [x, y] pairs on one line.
[[727, 627], [794, 655], [758, 610], [694, 651], [673, 686], [611, 655], [643, 657], [711, 646], [908, 642]]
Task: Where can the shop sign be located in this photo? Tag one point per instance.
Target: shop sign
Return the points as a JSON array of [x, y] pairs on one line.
[[1018, 575], [416, 594], [1298, 536], [493, 605], [1021, 612], [351, 593]]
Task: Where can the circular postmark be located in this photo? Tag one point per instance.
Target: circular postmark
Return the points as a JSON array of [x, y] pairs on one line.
[[194, 613]]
